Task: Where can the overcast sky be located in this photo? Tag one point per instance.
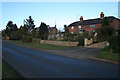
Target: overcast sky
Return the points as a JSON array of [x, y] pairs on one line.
[[52, 13]]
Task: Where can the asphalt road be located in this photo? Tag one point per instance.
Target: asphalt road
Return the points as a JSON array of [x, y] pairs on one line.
[[32, 63], [79, 53]]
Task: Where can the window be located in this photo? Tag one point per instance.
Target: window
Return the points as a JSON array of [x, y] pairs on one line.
[[92, 31], [79, 27], [71, 32], [72, 27], [92, 26]]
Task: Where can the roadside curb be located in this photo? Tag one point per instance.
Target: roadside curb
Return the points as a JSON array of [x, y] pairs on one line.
[[104, 60]]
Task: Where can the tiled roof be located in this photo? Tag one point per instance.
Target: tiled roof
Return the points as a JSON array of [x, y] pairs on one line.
[[51, 29], [92, 21]]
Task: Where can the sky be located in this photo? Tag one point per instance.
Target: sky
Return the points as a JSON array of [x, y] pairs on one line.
[[51, 13]]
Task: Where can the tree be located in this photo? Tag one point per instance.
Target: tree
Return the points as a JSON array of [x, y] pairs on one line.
[[22, 31], [81, 37], [14, 35], [67, 33], [34, 33], [105, 31], [29, 24], [43, 31], [10, 27], [105, 23], [114, 43]]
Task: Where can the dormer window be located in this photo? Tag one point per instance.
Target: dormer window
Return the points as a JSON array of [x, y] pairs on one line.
[[72, 27], [79, 27]]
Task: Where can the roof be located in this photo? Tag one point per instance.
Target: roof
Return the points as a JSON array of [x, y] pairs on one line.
[[51, 29], [92, 21]]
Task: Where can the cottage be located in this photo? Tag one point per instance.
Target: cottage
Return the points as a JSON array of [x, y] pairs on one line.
[[91, 25], [52, 32], [55, 34]]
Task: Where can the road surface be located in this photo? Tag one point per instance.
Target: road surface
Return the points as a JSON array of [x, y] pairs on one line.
[[32, 63], [79, 53]]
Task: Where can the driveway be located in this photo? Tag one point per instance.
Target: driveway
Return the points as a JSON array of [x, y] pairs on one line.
[[32, 63], [80, 53]]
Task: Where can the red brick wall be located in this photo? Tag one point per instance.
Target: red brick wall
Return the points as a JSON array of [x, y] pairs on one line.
[[54, 31], [86, 27], [115, 25], [75, 29]]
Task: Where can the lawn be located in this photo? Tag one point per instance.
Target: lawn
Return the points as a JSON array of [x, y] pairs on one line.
[[8, 72], [36, 45], [108, 55]]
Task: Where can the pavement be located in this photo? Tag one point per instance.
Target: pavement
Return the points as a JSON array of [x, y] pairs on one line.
[[32, 63]]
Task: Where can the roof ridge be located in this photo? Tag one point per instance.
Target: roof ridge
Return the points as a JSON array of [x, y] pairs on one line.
[[92, 21]]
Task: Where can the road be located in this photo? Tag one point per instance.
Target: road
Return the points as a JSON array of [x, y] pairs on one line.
[[32, 63], [79, 53]]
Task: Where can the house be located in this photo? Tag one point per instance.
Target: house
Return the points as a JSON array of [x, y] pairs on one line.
[[52, 32], [55, 34], [91, 25]]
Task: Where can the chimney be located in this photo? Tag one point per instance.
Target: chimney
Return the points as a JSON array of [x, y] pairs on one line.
[[55, 26], [81, 18], [101, 15]]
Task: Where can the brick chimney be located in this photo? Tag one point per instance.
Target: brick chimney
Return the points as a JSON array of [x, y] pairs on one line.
[[55, 26], [81, 18], [101, 15]]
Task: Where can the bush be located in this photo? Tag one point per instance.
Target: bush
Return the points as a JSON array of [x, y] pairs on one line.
[[81, 41], [27, 39], [14, 35], [69, 39], [104, 32], [81, 38], [114, 45]]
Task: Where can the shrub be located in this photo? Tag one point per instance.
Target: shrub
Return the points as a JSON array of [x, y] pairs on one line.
[[27, 39], [81, 41], [104, 32], [14, 35], [81, 38], [67, 39], [114, 45]]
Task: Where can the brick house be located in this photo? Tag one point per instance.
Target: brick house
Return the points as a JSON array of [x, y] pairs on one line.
[[52, 32], [91, 25], [55, 34]]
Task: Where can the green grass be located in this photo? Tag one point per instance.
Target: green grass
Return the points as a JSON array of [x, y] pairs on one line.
[[108, 55], [40, 46], [8, 71]]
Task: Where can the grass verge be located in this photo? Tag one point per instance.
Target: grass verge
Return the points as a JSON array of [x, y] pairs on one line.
[[108, 55], [40, 46], [8, 71]]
